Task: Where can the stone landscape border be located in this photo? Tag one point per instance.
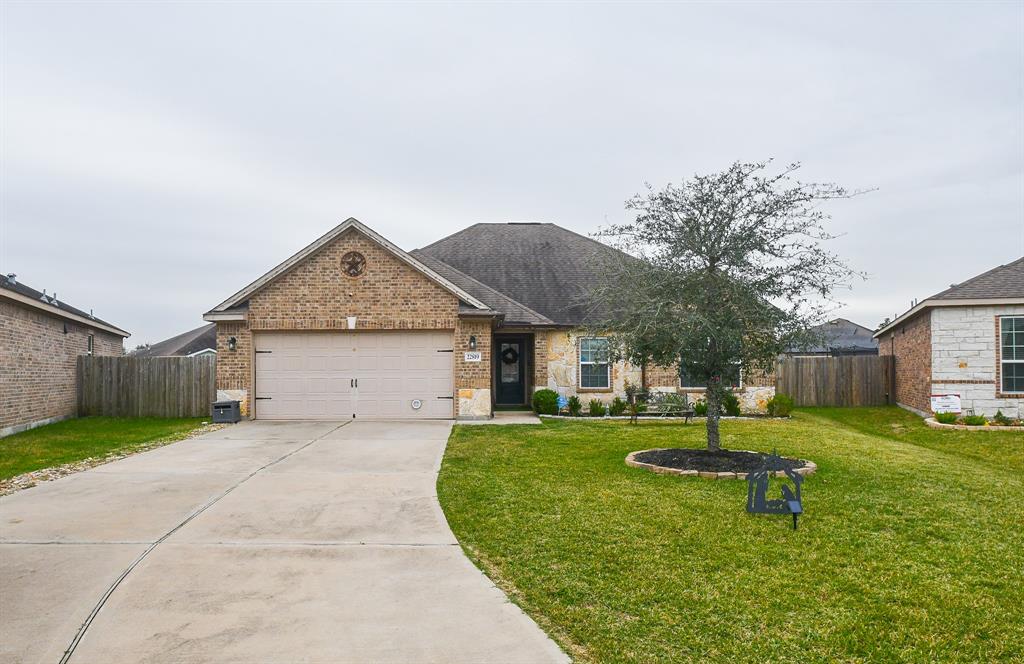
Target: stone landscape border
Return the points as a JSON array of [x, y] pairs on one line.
[[706, 474], [935, 424]]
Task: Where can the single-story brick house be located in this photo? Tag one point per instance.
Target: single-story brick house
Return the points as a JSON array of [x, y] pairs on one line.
[[194, 343], [967, 340], [41, 338], [353, 326]]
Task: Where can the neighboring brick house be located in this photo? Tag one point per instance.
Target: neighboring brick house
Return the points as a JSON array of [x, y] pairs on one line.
[[967, 340], [352, 326], [40, 341]]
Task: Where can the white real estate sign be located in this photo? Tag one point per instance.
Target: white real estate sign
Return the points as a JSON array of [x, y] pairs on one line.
[[945, 403]]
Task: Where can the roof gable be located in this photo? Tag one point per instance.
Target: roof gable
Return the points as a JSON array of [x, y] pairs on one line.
[[349, 224]]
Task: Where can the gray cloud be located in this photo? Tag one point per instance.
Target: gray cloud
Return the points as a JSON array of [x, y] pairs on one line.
[[156, 157]]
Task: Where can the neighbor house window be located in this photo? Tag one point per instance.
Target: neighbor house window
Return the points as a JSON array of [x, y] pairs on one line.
[[88, 349], [732, 379], [594, 366], [1012, 353]]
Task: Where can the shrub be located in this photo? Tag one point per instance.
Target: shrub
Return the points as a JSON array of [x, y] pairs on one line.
[[597, 408], [975, 420], [545, 402], [575, 406], [617, 407], [780, 405], [730, 404], [1001, 419], [700, 408], [946, 418]]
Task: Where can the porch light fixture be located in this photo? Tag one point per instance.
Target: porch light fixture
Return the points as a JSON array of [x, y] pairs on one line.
[[232, 343], [472, 342]]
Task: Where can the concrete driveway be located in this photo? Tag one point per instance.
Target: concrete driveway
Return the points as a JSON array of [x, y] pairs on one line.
[[262, 542]]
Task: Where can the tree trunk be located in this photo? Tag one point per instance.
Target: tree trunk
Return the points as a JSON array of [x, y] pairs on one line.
[[714, 401]]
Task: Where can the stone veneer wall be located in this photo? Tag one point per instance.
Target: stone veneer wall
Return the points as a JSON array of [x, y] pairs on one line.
[[473, 379], [911, 343], [965, 354], [389, 295], [38, 365]]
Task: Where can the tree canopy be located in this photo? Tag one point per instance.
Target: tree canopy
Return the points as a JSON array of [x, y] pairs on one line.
[[722, 272]]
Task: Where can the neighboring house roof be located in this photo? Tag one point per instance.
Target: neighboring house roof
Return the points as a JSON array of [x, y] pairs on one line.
[[243, 295], [841, 336], [544, 267], [15, 290], [1000, 285], [187, 343]]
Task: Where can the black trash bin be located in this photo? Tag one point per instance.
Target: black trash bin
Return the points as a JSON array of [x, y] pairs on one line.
[[226, 412]]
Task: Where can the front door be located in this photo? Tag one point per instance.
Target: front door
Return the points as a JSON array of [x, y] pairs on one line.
[[510, 371]]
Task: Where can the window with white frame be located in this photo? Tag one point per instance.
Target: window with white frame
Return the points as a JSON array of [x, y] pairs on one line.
[[89, 345], [1011, 333], [595, 369]]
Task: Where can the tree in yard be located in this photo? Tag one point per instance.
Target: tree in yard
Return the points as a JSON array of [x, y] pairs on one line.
[[725, 272]]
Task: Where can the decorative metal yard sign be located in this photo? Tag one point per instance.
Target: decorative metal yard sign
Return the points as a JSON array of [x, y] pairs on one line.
[[757, 489], [945, 403]]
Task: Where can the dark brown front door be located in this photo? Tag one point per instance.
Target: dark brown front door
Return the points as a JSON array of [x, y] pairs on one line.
[[510, 354]]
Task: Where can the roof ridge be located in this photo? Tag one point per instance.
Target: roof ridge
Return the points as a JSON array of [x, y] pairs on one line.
[[450, 236], [477, 281]]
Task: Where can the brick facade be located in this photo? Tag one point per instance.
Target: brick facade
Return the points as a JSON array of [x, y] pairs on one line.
[[911, 343], [315, 294], [38, 364]]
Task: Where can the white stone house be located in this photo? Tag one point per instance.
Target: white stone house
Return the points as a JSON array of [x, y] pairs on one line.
[[967, 340]]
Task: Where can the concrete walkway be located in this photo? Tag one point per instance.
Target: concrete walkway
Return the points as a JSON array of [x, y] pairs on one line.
[[262, 542]]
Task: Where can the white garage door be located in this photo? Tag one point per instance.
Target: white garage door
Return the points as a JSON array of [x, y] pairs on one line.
[[340, 375]]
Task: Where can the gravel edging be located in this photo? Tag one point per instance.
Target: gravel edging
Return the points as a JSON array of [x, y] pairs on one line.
[[808, 469], [935, 424], [30, 479]]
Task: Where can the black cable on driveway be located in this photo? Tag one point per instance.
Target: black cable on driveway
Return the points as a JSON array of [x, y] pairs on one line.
[[210, 503]]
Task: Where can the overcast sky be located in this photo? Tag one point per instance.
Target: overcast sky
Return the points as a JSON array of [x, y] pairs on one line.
[[158, 157]]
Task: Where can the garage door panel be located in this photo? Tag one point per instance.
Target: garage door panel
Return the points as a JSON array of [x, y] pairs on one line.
[[310, 374]]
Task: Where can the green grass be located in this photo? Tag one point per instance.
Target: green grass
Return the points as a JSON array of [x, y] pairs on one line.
[[911, 548], [78, 439]]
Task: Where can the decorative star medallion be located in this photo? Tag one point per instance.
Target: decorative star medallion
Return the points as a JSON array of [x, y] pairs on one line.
[[353, 263]]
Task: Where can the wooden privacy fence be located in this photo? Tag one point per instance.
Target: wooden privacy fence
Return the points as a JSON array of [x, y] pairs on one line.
[[858, 380], [146, 386]]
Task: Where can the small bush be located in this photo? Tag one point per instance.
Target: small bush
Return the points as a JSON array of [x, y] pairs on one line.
[[730, 404], [545, 402], [1001, 419], [575, 406], [946, 418], [617, 407], [700, 408], [780, 405], [597, 408], [975, 420]]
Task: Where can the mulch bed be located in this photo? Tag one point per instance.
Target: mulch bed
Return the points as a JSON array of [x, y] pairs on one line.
[[722, 461]]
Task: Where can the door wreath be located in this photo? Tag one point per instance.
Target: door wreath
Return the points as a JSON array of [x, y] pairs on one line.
[[509, 355]]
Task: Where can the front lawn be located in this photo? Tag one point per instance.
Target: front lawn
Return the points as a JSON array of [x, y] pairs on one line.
[[911, 548], [83, 438]]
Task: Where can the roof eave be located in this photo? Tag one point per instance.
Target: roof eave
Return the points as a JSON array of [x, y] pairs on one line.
[[951, 302], [55, 311]]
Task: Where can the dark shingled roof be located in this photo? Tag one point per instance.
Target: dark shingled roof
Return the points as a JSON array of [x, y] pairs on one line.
[[57, 305], [185, 343], [841, 336], [999, 282], [513, 311], [542, 266]]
